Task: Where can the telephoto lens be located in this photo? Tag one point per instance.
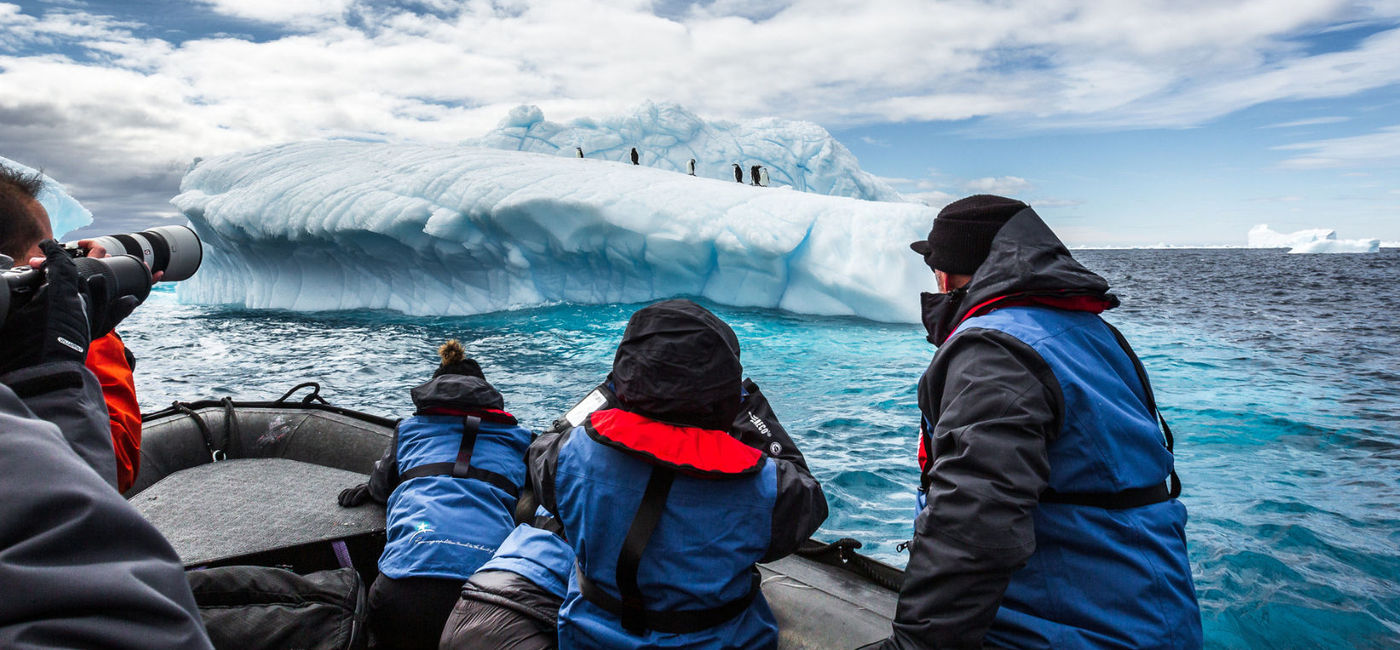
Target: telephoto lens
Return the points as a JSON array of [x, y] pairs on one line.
[[173, 249], [124, 274]]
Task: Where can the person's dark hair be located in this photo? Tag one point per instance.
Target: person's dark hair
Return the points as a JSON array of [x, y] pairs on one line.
[[19, 230]]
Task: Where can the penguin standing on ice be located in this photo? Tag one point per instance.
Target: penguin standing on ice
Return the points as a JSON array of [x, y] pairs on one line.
[[690, 167], [579, 151], [753, 175], [738, 173], [635, 157], [763, 177]]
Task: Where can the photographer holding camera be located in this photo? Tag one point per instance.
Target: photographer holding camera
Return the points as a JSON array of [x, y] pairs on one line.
[[79, 567], [23, 224]]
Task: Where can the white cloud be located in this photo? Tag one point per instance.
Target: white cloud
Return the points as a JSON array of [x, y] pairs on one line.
[[1379, 147], [96, 95], [1314, 121], [874, 142], [1003, 185]]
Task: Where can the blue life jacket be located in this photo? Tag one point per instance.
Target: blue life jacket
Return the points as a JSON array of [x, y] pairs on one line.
[[668, 522], [1110, 568], [539, 555], [460, 478]]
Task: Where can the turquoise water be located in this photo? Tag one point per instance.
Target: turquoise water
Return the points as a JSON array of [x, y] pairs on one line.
[[1278, 374]]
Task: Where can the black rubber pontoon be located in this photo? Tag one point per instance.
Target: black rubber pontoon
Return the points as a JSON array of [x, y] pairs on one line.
[[232, 483]]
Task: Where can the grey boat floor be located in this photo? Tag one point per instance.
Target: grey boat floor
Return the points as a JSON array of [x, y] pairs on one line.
[[255, 504]]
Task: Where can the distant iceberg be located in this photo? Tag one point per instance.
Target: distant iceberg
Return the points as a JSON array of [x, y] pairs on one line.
[[65, 213], [800, 155], [1317, 240], [465, 230]]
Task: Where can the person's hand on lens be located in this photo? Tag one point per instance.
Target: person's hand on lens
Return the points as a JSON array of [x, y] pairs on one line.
[[52, 326]]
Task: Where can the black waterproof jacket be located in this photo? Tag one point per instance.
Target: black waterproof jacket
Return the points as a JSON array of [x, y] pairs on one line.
[[992, 405], [79, 567]]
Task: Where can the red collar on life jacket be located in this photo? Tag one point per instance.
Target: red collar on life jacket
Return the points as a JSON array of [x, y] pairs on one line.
[[486, 415], [1090, 303], [702, 452]]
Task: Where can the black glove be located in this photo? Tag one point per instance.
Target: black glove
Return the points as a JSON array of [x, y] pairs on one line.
[[351, 497], [105, 315], [53, 325]]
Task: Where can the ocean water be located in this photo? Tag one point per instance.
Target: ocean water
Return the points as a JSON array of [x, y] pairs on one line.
[[1278, 374]]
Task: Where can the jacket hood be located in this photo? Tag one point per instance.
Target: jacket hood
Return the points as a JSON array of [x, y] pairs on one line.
[[1026, 260], [458, 392], [679, 363]]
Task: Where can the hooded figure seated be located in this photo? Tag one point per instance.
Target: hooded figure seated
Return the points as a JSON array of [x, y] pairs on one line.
[[450, 481], [666, 502]]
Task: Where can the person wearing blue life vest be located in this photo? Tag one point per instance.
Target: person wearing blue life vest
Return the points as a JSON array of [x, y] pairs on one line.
[[513, 600], [1048, 512], [667, 503], [450, 480]]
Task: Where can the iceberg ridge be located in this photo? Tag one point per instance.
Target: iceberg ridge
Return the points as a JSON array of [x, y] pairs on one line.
[[1316, 240], [461, 230], [800, 155]]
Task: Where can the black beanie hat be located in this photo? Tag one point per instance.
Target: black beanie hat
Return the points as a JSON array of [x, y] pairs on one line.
[[455, 361], [963, 231]]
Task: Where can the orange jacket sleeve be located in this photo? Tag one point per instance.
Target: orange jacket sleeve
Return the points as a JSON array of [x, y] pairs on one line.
[[107, 358]]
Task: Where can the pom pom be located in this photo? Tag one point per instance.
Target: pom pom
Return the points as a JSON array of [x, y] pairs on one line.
[[451, 352]]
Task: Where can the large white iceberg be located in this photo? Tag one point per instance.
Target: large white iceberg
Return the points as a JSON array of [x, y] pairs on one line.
[[800, 155], [65, 213], [1316, 240], [462, 230]]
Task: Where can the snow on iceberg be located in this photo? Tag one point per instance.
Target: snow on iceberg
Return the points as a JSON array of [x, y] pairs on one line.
[[65, 213], [463, 230], [800, 155], [1316, 240]]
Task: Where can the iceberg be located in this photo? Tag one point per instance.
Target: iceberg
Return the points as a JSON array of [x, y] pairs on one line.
[[451, 230], [799, 155], [65, 213], [1316, 240]]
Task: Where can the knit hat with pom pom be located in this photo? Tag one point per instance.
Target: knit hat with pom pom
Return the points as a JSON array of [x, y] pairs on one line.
[[455, 361]]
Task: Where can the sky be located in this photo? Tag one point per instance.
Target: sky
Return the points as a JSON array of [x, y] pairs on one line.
[[1181, 122]]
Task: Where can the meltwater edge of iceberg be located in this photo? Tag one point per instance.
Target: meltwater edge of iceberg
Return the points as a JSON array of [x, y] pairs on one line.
[[437, 230]]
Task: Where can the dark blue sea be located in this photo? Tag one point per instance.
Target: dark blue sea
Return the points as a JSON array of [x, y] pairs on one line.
[[1278, 374]]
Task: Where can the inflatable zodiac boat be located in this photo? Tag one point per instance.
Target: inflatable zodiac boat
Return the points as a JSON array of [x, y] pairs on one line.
[[255, 483]]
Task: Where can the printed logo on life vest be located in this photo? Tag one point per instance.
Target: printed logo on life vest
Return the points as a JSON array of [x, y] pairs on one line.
[[775, 448], [762, 428]]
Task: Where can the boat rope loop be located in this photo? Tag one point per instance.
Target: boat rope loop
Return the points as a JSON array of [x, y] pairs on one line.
[[216, 453], [842, 553], [315, 394]]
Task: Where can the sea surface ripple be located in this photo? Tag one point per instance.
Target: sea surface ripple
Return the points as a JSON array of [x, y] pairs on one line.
[[1278, 374]]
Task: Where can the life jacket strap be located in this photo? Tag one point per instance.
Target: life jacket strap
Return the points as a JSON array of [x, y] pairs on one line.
[[1131, 498], [462, 468], [680, 621], [636, 618]]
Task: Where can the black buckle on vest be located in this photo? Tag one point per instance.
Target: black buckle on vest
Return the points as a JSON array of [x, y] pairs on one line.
[[461, 468]]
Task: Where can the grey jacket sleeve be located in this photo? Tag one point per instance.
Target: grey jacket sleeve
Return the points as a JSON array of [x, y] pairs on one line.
[[92, 571], [385, 476], [542, 459], [800, 506], [995, 405], [68, 395]]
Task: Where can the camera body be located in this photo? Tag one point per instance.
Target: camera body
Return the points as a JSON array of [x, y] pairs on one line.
[[132, 259]]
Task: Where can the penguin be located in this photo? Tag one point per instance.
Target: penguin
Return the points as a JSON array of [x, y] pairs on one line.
[[690, 167], [635, 156], [753, 175], [738, 173], [579, 151], [763, 176]]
